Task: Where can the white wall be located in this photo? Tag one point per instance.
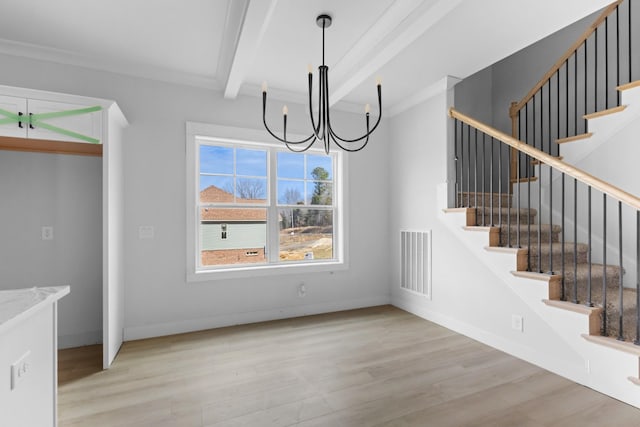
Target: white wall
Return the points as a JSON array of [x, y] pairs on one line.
[[158, 300], [467, 296]]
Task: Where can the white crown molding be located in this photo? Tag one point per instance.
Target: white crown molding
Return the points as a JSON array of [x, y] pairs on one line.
[[65, 57], [423, 95]]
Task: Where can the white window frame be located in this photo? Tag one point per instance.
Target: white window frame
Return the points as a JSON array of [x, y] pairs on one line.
[[259, 139]]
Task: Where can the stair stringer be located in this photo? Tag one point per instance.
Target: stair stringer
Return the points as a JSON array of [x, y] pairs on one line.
[[607, 370], [604, 127]]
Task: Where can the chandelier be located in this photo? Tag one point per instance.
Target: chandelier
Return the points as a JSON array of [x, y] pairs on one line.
[[321, 128]]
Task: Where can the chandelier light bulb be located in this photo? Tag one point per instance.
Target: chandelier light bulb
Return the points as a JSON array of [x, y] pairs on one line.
[[367, 108], [378, 81], [285, 110], [310, 68], [264, 86]]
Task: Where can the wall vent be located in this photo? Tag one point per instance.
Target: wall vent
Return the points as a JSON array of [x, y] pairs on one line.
[[415, 262]]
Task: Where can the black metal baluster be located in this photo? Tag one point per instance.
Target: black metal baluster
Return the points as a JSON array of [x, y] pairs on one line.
[[455, 160], [539, 216], [589, 303], [566, 78], [595, 71], [586, 45], [575, 241], [475, 171], [491, 184], [575, 92], [509, 192], [564, 295], [617, 54], [469, 166], [550, 192], [620, 283], [604, 264], [630, 57], [484, 172], [606, 63], [558, 109]]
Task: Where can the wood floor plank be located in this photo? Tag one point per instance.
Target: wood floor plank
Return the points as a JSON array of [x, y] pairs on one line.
[[369, 367]]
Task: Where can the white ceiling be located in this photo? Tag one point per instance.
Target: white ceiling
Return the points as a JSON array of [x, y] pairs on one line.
[[234, 45]]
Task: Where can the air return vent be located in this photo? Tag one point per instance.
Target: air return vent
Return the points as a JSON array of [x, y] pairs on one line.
[[415, 262]]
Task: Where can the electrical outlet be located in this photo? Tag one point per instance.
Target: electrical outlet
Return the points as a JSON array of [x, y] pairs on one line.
[[20, 369], [47, 232], [302, 290], [517, 323]]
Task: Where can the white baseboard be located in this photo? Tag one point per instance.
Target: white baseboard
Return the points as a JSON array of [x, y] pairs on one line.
[[191, 325], [79, 340]]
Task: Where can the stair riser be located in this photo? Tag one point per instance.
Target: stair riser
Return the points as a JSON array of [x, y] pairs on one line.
[[557, 261], [524, 238], [471, 200]]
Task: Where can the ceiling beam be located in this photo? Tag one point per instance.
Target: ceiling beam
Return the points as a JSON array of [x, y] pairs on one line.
[[256, 20], [400, 26]]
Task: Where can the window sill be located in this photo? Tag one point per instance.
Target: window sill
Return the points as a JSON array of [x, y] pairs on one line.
[[265, 271]]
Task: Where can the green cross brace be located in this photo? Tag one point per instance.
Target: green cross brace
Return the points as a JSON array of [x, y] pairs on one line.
[[37, 120]]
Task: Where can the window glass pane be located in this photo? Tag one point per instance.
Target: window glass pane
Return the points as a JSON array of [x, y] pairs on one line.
[[290, 192], [216, 189], [319, 167], [319, 193], [305, 234], [232, 236], [251, 162], [251, 190], [290, 165], [216, 159]]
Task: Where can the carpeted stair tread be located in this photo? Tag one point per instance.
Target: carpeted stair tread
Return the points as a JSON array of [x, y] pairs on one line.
[[469, 199], [556, 250]]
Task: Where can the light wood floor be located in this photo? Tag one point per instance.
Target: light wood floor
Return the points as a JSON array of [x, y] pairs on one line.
[[371, 367]]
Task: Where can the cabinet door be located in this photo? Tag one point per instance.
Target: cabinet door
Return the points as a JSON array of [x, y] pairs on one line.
[[65, 122], [10, 109]]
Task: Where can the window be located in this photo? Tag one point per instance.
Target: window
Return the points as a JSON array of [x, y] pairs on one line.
[[257, 206]]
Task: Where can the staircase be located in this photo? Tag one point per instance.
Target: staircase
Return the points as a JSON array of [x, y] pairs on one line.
[[527, 212], [545, 252]]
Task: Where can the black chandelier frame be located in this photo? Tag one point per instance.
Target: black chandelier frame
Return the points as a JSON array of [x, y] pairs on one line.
[[322, 129]]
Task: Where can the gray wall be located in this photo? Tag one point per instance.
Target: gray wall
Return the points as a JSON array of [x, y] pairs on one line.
[[158, 300], [65, 192]]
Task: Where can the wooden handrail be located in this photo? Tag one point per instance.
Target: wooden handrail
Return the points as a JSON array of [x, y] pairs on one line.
[[545, 158], [515, 107]]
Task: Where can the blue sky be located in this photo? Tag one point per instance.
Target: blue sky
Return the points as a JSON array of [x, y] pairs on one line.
[[292, 169]]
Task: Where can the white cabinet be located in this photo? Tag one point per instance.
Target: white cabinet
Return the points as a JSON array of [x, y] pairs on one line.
[[11, 109], [50, 120]]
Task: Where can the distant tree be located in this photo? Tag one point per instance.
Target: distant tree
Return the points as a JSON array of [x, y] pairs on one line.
[[321, 190], [321, 196], [250, 189]]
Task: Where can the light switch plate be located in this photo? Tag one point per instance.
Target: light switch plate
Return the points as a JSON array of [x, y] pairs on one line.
[[20, 369], [146, 232], [47, 232]]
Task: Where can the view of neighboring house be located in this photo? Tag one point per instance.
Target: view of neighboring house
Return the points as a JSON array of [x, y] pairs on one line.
[[231, 235]]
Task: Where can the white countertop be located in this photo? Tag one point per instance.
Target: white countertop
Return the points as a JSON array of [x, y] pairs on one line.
[[18, 304]]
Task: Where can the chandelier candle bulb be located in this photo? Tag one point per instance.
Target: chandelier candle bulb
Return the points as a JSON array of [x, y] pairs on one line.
[[264, 86], [310, 68], [285, 110], [378, 81], [367, 108]]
